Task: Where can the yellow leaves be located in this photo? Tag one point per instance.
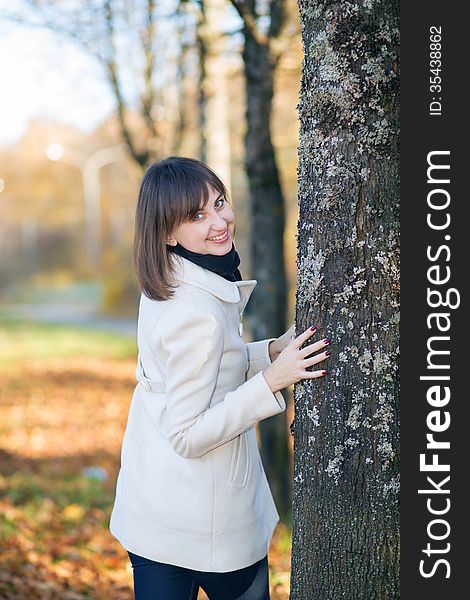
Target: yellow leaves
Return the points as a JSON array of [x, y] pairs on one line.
[[73, 512], [61, 426]]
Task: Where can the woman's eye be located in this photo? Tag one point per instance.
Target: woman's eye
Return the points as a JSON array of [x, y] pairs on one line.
[[222, 202]]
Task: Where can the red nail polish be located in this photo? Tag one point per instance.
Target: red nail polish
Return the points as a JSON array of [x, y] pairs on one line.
[[327, 353], [326, 341], [313, 327], [325, 372]]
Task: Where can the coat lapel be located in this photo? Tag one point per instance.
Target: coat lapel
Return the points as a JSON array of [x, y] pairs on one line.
[[229, 291]]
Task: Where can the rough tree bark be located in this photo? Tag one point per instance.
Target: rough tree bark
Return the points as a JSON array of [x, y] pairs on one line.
[[346, 426]]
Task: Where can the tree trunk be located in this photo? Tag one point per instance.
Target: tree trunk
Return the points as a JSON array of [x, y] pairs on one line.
[[214, 122], [268, 309], [346, 425]]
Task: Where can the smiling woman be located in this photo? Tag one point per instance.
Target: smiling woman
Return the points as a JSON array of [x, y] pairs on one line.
[[193, 506], [193, 218]]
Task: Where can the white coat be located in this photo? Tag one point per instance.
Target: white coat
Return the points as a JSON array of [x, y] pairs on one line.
[[191, 490]]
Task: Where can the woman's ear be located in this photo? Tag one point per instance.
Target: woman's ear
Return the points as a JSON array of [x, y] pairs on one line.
[[170, 240]]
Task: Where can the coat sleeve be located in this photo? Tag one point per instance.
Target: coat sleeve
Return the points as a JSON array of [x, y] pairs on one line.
[[258, 356], [193, 344]]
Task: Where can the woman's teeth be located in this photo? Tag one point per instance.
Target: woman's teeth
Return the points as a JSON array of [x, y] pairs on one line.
[[218, 238]]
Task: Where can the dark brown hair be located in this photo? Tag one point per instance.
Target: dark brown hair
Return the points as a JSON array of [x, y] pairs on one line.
[[170, 194]]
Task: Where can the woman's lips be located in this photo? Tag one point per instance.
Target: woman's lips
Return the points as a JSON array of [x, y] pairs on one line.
[[221, 241]]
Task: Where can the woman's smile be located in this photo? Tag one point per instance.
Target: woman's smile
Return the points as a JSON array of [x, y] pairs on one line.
[[221, 238]]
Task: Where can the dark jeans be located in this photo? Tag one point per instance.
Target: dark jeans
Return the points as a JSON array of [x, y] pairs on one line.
[[160, 581]]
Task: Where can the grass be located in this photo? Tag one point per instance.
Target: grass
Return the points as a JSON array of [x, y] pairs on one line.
[[63, 407], [21, 339]]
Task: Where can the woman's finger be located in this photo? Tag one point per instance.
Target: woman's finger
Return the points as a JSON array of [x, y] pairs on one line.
[[314, 374], [314, 347], [309, 362], [299, 340]]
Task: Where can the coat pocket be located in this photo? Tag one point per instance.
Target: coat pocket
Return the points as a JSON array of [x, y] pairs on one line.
[[240, 464]]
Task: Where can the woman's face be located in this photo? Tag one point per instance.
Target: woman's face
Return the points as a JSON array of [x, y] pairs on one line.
[[214, 220]]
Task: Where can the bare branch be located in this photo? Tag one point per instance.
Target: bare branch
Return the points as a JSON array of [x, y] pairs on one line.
[[147, 38], [248, 17]]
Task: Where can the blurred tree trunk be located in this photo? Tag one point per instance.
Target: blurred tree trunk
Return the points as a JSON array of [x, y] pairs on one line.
[[346, 426], [181, 122], [261, 54], [213, 94]]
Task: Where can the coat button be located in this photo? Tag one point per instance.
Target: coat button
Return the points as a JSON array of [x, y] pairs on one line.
[[240, 328]]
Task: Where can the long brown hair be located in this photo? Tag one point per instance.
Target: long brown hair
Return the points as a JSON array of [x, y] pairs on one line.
[[170, 194]]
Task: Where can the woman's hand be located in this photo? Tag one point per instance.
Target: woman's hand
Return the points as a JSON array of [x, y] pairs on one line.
[[292, 363], [278, 345]]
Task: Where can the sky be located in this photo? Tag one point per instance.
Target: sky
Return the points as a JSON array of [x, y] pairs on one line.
[[42, 75]]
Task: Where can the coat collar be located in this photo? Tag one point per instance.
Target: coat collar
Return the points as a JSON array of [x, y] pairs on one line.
[[185, 271]]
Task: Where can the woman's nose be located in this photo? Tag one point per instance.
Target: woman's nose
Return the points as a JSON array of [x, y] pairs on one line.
[[218, 223]]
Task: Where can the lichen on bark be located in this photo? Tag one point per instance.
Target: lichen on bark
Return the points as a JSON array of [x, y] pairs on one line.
[[346, 438]]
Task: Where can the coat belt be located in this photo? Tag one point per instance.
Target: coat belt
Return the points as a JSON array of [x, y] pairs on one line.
[[150, 385]]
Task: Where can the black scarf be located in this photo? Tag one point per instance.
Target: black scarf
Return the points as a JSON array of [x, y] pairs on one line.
[[226, 266]]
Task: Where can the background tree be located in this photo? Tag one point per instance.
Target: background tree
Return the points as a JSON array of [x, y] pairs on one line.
[[268, 29], [146, 51], [129, 39], [214, 102], [346, 509]]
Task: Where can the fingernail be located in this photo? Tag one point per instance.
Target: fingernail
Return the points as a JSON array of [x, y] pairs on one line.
[[313, 328], [326, 341], [327, 353], [325, 372]]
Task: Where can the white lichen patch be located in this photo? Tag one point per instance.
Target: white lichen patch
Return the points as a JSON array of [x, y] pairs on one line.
[[354, 416], [368, 4], [334, 465], [354, 351], [392, 486], [382, 364], [359, 285], [386, 452], [344, 296], [390, 266], [309, 275], [357, 272], [313, 415], [383, 416], [364, 361]]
